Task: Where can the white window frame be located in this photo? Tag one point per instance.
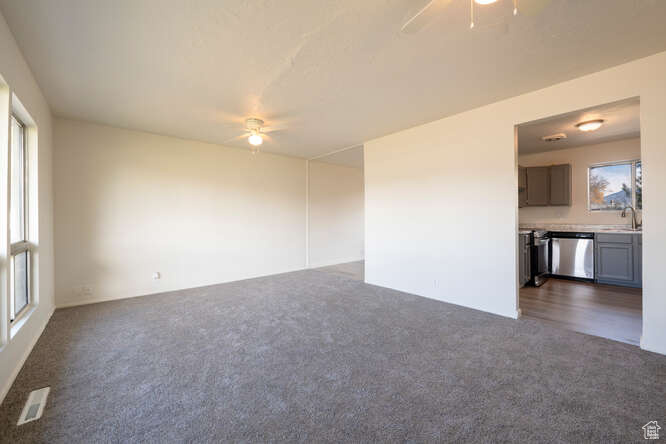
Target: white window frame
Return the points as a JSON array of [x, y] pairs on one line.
[[631, 162], [22, 245]]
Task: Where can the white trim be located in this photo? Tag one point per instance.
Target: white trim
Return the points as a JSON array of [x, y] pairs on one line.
[[336, 262], [76, 303], [358, 145], [655, 346], [20, 319], [307, 213], [632, 163], [24, 357]]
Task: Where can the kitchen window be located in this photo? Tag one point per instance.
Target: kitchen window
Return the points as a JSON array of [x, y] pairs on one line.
[[20, 249], [614, 186]]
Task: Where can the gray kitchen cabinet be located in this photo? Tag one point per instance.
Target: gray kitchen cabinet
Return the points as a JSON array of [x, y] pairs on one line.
[[560, 185], [544, 186], [524, 252], [522, 187], [618, 259], [538, 186], [638, 260]]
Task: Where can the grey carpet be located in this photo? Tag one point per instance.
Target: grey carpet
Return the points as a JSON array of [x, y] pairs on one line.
[[319, 357], [352, 270]]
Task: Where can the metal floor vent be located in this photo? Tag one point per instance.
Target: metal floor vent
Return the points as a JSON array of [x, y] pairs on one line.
[[34, 407]]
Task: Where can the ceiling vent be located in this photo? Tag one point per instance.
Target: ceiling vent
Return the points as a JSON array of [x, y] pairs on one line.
[[554, 137]]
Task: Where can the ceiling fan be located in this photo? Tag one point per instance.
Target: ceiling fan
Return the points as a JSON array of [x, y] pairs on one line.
[[256, 133], [433, 7]]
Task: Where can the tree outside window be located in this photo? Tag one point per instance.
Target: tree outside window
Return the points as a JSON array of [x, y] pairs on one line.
[[615, 186]]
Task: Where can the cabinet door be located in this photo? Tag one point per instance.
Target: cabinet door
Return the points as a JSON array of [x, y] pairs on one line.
[[615, 263], [522, 187], [638, 260], [538, 190], [524, 274], [560, 185], [527, 258]]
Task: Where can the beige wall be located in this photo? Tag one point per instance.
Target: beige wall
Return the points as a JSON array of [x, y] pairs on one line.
[[580, 158], [442, 209], [129, 204], [336, 220], [15, 77]]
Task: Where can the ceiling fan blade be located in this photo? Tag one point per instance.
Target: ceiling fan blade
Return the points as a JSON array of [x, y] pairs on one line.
[[532, 7], [233, 139], [272, 129], [424, 16]]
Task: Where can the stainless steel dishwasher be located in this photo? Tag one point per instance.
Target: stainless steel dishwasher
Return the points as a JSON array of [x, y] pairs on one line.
[[572, 255]]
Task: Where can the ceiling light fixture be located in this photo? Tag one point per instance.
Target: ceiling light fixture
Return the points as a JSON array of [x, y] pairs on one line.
[[590, 125], [484, 3], [255, 139]]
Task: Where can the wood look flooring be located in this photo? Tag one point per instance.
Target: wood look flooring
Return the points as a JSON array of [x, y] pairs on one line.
[[601, 310]]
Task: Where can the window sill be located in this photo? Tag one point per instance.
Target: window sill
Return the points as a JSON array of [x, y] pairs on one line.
[[18, 323]]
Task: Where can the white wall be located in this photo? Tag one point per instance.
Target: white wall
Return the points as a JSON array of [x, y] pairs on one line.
[[15, 348], [441, 201], [580, 159], [336, 219], [130, 203]]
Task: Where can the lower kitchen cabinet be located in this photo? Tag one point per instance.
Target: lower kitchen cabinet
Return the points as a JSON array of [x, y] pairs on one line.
[[618, 259], [525, 271]]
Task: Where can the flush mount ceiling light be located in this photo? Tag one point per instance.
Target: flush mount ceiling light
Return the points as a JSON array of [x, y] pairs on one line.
[[590, 125], [484, 2]]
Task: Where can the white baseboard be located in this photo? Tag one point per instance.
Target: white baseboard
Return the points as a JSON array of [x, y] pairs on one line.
[[336, 262], [77, 302], [24, 357], [650, 346]]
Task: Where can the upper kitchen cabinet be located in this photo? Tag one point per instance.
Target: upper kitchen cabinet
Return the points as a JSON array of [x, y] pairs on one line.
[[544, 186], [560, 185], [538, 186], [522, 187]]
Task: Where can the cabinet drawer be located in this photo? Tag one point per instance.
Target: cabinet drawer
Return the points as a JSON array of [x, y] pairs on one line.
[[615, 238]]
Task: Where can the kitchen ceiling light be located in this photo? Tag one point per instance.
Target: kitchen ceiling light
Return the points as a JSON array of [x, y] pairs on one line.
[[255, 139], [590, 125], [484, 2]]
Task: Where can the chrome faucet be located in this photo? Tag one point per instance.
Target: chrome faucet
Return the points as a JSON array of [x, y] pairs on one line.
[[634, 223]]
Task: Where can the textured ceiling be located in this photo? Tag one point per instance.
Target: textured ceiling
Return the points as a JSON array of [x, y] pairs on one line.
[[334, 73], [621, 121]]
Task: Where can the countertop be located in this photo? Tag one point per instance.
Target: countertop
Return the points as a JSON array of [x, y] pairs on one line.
[[623, 229]]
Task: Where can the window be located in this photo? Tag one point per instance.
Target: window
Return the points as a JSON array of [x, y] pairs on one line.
[[613, 186], [20, 298]]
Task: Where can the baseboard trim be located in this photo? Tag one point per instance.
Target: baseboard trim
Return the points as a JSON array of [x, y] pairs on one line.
[[512, 314], [24, 357], [647, 346], [76, 303], [336, 262]]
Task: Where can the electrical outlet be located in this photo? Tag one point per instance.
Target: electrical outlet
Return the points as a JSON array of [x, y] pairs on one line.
[[86, 291]]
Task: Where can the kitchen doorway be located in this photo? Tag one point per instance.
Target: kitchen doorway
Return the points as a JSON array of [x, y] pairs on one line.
[[580, 202]]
